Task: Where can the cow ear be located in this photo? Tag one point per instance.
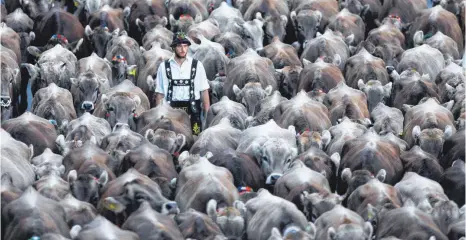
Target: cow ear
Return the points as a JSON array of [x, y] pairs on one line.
[[387, 89], [183, 158], [346, 175], [275, 234], [326, 138], [361, 84], [284, 19], [88, 31], [140, 24], [318, 16], [448, 132], [164, 21], [116, 32], [60, 142], [237, 92], [418, 38], [259, 17], [268, 90], [336, 158], [349, 40], [172, 20], [72, 176], [180, 141], [449, 105], [406, 107], [74, 232], [103, 179], [293, 17], [198, 18], [33, 70], [212, 209], [32, 36], [416, 132], [137, 100], [151, 83], [336, 60], [104, 98], [126, 12], [149, 135], [331, 234], [381, 175], [306, 62], [368, 229], [113, 205], [74, 81], [311, 230], [34, 51]]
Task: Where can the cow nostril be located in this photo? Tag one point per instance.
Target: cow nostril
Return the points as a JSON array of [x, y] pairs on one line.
[[390, 69]]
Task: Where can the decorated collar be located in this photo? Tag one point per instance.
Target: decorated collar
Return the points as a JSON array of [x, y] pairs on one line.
[[119, 58], [60, 38], [245, 189], [395, 17], [184, 16], [301, 133], [176, 154]]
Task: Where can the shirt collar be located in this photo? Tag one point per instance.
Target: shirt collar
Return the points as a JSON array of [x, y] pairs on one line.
[[172, 59]]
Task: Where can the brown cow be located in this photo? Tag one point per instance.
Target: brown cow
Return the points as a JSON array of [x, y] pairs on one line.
[[107, 17], [345, 101], [320, 76], [348, 24], [405, 10], [365, 66]]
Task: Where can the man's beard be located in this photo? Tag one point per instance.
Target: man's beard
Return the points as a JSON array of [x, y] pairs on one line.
[[180, 57]]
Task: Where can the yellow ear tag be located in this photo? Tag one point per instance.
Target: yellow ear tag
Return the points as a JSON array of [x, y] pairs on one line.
[[111, 206], [132, 72], [76, 3]]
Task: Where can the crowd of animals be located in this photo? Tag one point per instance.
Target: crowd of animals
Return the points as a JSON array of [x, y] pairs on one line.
[[329, 120]]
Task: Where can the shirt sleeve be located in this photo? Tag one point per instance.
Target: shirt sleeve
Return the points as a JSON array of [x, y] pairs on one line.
[[201, 77], [160, 80]]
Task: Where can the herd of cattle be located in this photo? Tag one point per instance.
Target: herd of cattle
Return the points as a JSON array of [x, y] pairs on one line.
[[329, 120]]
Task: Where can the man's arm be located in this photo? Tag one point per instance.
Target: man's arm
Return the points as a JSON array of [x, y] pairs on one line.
[[205, 100], [203, 86], [159, 90]]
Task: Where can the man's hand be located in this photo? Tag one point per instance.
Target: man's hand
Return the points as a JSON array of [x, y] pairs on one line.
[[205, 100]]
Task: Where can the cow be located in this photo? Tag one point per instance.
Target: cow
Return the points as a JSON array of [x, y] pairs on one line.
[[96, 40], [166, 127], [233, 43], [348, 24], [373, 153], [446, 45], [9, 192], [423, 163], [208, 28], [365, 66], [405, 11], [230, 220], [11, 84], [252, 32], [212, 55], [272, 146], [48, 163], [16, 157], [235, 112], [57, 21], [54, 104], [141, 9], [197, 225], [281, 54], [125, 194], [53, 187], [12, 41], [453, 149], [159, 34], [424, 59], [253, 69], [88, 169], [302, 113], [320, 75], [31, 129], [77, 212], [154, 162], [329, 45], [344, 101], [101, 227], [226, 16], [217, 138], [308, 18], [94, 77], [267, 211], [437, 19], [23, 25], [452, 182], [121, 104], [376, 93], [342, 223], [267, 108], [410, 87], [452, 75], [199, 181], [121, 140], [56, 65], [148, 223], [410, 223], [428, 125], [107, 16], [146, 78], [33, 215], [387, 120]]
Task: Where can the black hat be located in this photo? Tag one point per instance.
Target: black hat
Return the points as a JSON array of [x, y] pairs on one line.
[[180, 38]]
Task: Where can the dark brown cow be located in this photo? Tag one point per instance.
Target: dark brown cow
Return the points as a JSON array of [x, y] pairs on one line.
[[280, 53], [445, 44], [11, 40], [107, 17], [365, 66], [423, 163], [197, 225], [453, 149], [319, 161], [348, 24], [345, 101], [319, 76], [31, 129], [452, 182], [10, 84], [405, 10]]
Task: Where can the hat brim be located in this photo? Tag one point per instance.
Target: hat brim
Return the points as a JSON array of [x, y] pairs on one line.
[[185, 41]]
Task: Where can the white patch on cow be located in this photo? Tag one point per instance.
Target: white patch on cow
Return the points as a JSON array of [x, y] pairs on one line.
[[30, 198], [106, 8], [434, 14], [129, 176], [71, 202]]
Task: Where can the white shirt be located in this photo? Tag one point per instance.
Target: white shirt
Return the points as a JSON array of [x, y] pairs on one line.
[[181, 93]]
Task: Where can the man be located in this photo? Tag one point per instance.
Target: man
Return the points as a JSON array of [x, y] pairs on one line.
[[182, 82]]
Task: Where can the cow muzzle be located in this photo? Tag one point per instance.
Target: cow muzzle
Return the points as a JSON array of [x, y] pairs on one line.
[[87, 106], [170, 208], [272, 178], [5, 101], [119, 125]]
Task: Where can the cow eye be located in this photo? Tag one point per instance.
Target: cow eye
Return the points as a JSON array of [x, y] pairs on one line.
[[265, 159], [288, 160], [110, 109]]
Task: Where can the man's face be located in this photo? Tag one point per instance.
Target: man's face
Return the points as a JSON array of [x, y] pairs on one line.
[[181, 50]]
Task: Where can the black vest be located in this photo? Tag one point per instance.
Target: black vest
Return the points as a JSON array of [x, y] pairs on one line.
[[191, 106]]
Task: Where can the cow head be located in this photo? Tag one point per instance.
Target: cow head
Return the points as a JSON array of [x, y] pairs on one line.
[[86, 187], [350, 231], [26, 39], [121, 70], [289, 78], [120, 108], [359, 177], [150, 22], [251, 95], [375, 92], [9, 77], [166, 139], [86, 91], [184, 22], [230, 219], [75, 139], [390, 53], [315, 204], [274, 26], [274, 157], [253, 33], [134, 193], [306, 24], [307, 139], [431, 139], [293, 232], [196, 225], [99, 38], [216, 89]]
